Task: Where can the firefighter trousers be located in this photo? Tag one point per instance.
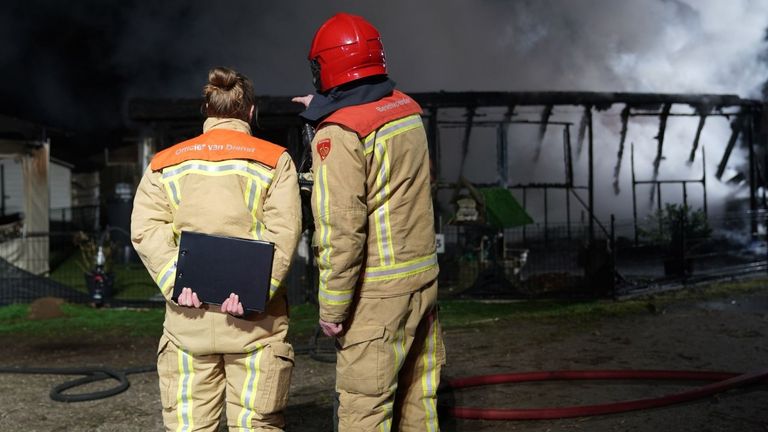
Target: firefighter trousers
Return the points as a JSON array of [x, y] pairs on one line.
[[388, 364], [195, 388]]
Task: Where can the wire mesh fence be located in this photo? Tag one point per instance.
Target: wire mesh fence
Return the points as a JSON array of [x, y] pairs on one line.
[[682, 249], [535, 261], [63, 264], [559, 260]]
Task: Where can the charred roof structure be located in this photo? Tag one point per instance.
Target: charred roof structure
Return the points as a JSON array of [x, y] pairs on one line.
[[169, 121]]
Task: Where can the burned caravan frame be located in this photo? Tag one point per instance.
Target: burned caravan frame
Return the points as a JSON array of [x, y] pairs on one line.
[[164, 122]]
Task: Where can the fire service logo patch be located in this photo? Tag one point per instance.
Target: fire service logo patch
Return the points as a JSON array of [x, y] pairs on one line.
[[324, 148]]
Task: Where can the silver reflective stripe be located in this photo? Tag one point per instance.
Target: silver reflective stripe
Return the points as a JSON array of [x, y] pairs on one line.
[[381, 212], [430, 368], [386, 130], [217, 168], [252, 196], [174, 193], [325, 295], [185, 391], [324, 263], [164, 279], [248, 398], [379, 272], [369, 140]]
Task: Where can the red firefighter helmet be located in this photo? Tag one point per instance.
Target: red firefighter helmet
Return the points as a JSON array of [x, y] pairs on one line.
[[345, 48]]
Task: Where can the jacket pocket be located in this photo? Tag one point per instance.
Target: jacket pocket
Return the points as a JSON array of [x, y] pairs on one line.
[[278, 365], [362, 362]]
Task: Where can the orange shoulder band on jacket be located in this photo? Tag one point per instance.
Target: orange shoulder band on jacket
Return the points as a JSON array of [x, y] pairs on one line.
[[219, 145], [366, 118]]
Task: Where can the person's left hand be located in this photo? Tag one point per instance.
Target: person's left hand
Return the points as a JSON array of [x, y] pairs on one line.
[[232, 305], [189, 298]]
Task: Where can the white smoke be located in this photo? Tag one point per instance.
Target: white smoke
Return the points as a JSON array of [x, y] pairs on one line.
[[601, 45], [676, 46]]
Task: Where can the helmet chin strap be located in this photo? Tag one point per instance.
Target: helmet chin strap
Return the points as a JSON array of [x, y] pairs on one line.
[[314, 65]]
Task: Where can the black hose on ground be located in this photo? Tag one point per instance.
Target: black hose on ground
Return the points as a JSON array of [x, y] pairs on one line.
[[90, 375], [95, 374]]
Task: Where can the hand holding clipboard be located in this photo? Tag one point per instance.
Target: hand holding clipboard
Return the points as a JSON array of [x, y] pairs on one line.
[[211, 268]]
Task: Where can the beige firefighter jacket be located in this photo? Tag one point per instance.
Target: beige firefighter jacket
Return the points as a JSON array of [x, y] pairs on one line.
[[198, 187], [372, 204]]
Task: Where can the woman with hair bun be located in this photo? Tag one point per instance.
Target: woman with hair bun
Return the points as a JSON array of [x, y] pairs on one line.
[[224, 182]]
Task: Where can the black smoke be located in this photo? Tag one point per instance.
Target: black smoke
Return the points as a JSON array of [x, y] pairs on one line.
[[74, 65]]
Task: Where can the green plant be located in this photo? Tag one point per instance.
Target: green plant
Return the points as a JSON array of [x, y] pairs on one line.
[[667, 226]]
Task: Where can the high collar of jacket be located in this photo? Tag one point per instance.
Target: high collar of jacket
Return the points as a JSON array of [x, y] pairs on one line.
[[212, 123], [355, 93]]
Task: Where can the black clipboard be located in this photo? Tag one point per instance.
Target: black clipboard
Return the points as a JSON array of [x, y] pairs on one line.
[[215, 266]]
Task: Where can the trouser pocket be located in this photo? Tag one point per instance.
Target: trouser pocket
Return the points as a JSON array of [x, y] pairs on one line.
[[362, 363], [278, 366], [167, 372]]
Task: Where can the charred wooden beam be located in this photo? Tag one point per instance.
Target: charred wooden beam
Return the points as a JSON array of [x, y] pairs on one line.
[[582, 130], [736, 126], [622, 139], [148, 110], [702, 120], [467, 133], [596, 99], [502, 147], [546, 113], [568, 155], [660, 138], [143, 109]]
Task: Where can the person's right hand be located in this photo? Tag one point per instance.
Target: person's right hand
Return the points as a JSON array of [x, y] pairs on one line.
[[331, 329], [305, 100], [189, 298]]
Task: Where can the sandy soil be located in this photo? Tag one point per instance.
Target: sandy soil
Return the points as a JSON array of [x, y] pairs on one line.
[[729, 334]]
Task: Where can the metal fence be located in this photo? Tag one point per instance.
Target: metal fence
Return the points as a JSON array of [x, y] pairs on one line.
[[62, 264], [531, 262], [558, 260], [683, 250]]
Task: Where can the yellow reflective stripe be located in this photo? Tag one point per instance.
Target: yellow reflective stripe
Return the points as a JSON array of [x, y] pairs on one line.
[[429, 377], [250, 388], [367, 141], [400, 270], [248, 197], [274, 284], [252, 197], [383, 228], [398, 346], [385, 205], [392, 129], [166, 276], [184, 395], [335, 297], [247, 169], [258, 226], [324, 261], [174, 194]]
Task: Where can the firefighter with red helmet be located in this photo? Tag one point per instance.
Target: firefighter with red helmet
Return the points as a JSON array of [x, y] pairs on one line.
[[374, 239]]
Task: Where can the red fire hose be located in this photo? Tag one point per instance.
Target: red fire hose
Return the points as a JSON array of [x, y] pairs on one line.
[[722, 381]]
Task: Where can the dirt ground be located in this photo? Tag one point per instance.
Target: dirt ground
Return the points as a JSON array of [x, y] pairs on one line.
[[725, 334]]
